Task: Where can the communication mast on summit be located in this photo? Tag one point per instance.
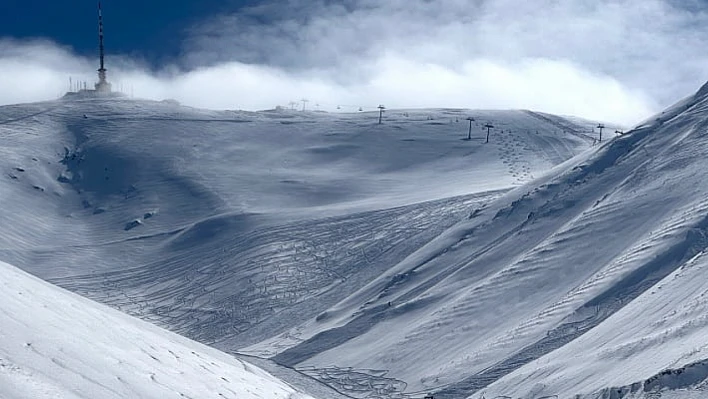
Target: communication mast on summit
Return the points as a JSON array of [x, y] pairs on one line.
[[102, 86]]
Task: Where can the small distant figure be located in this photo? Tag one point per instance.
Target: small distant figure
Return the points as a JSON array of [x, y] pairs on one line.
[[85, 116]]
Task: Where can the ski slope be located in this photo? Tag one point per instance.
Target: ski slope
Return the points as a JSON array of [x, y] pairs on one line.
[[644, 323], [262, 233], [210, 223], [588, 278], [55, 344]]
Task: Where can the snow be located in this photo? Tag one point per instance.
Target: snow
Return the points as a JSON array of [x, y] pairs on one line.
[[647, 305], [386, 261], [252, 215], [575, 282], [56, 344]]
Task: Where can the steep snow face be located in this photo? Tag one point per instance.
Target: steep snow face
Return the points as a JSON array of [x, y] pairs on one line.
[[232, 227], [55, 344], [587, 278], [648, 306]]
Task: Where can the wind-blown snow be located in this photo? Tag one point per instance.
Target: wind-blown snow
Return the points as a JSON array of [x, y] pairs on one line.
[[55, 344]]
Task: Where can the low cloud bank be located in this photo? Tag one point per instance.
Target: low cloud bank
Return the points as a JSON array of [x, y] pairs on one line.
[[608, 60]]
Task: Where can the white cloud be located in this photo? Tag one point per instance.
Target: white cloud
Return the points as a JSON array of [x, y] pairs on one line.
[[37, 70], [615, 60]]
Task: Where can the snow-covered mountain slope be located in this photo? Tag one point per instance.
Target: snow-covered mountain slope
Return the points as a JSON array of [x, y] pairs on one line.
[[384, 260], [231, 227], [55, 344], [588, 278]]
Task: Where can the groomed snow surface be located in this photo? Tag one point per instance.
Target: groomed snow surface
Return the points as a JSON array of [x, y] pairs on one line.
[[385, 261]]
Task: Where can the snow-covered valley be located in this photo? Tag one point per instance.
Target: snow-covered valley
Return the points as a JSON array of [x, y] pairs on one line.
[[537, 264]]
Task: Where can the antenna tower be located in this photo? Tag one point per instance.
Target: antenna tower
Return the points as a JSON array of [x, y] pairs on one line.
[[102, 85]]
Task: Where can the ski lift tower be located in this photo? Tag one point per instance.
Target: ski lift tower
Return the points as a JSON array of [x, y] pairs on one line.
[[601, 126], [488, 126], [469, 133], [381, 111], [102, 86]]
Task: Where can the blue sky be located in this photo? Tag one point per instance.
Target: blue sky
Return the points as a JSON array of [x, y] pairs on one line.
[[151, 29], [611, 60]]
